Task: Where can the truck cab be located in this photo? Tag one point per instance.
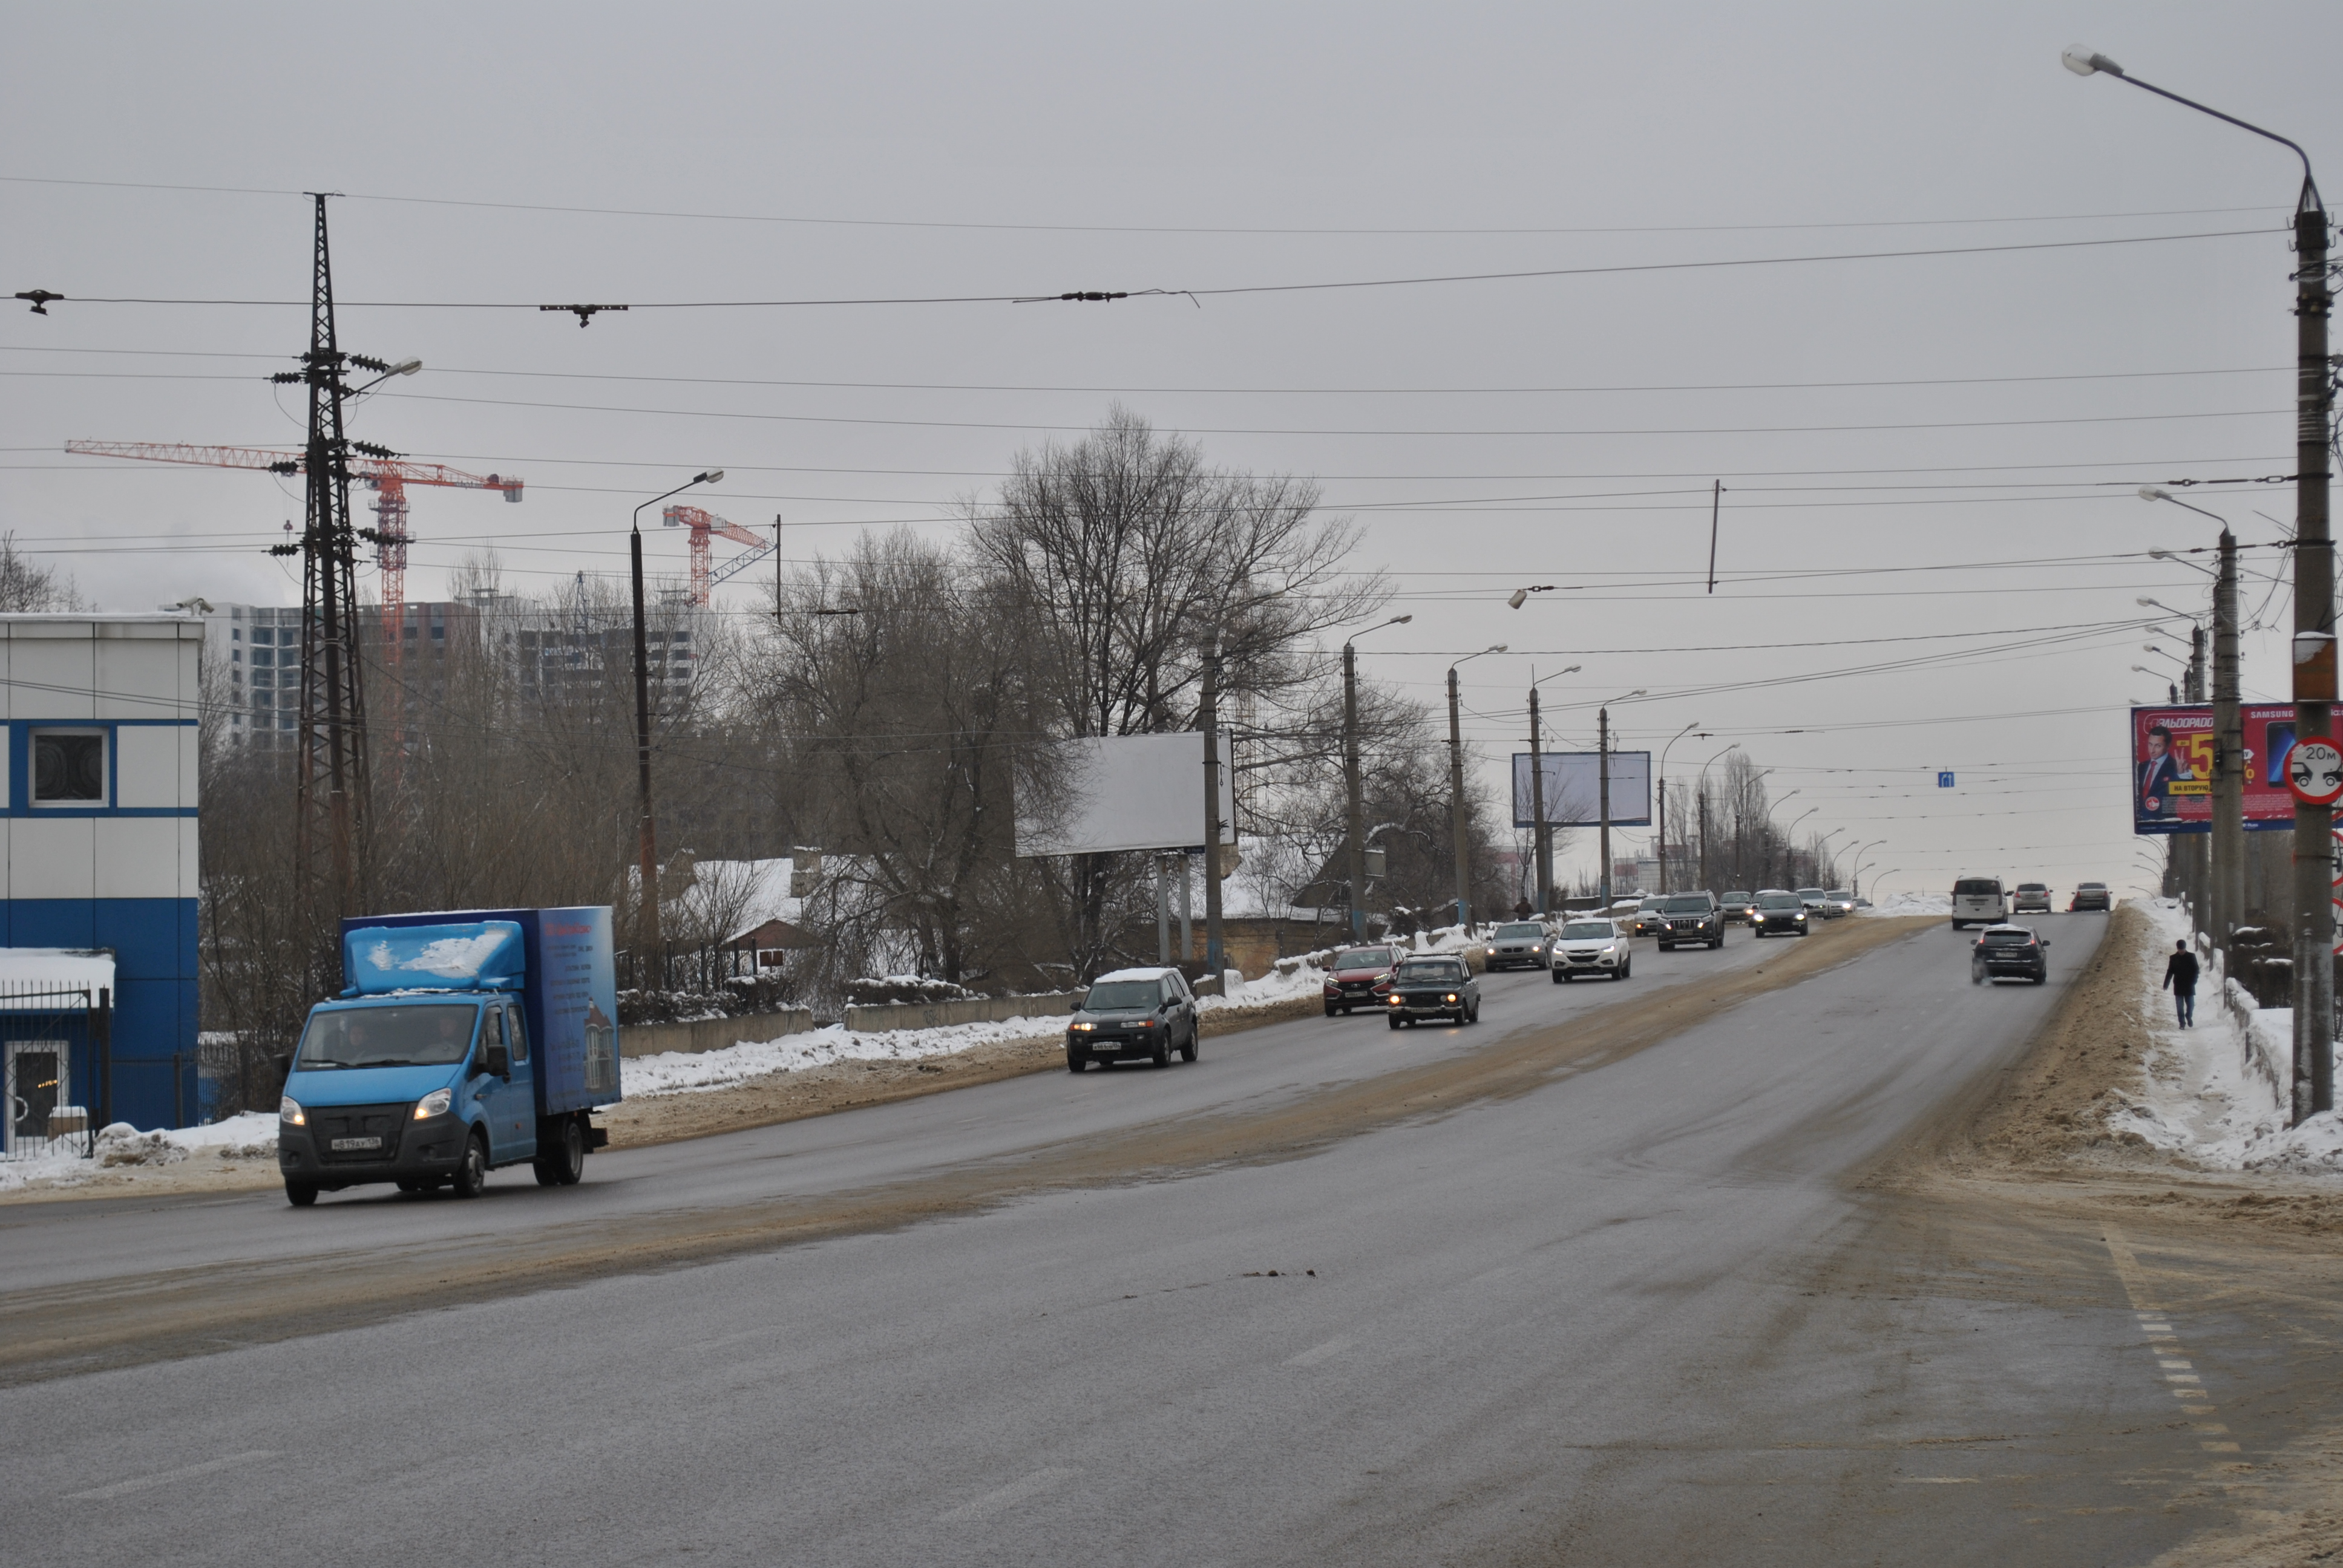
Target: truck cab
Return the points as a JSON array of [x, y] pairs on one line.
[[449, 1055]]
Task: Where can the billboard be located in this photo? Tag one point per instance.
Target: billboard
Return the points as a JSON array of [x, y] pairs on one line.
[[1117, 792], [2172, 767], [1573, 789]]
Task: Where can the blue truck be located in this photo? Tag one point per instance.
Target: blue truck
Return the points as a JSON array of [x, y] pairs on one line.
[[461, 1042]]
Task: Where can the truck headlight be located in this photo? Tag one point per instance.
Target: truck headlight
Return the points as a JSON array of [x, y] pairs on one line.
[[433, 1104], [289, 1113]]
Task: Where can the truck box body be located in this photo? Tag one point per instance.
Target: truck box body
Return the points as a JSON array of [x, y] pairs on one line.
[[568, 989]]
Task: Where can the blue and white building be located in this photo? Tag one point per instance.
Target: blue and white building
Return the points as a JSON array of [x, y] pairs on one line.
[[97, 800]]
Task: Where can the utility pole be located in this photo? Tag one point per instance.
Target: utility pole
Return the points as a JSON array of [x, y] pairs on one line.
[[2314, 665], [1540, 847], [1356, 828], [1603, 773], [332, 745], [1213, 961], [652, 943], [1456, 807], [2200, 845], [2228, 893]]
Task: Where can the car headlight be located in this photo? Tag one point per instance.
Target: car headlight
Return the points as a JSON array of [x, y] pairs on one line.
[[1082, 1028], [1450, 997], [435, 1104], [289, 1113], [1147, 1023], [1395, 999]]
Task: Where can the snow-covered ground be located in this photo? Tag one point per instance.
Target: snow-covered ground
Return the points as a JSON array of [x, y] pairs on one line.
[[2218, 1094], [251, 1136], [1912, 904]]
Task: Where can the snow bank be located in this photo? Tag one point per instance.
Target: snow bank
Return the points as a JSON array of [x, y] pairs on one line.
[[1912, 904], [2219, 1095], [251, 1136]]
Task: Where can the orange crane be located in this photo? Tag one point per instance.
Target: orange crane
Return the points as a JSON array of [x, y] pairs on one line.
[[388, 476], [702, 526]]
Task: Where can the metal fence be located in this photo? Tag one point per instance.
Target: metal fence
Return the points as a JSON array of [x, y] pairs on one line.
[[694, 968], [57, 1055]]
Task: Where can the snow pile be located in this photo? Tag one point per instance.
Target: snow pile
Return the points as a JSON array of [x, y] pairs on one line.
[[2219, 1095], [251, 1136], [1911, 904]]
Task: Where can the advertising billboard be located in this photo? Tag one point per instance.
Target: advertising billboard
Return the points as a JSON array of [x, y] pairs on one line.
[[2172, 767], [1573, 789], [1120, 792]]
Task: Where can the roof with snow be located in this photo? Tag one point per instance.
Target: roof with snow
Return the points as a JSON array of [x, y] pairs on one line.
[[37, 979]]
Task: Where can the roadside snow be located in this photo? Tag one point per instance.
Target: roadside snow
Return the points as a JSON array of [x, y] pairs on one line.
[[1902, 904], [2218, 1094], [251, 1136]]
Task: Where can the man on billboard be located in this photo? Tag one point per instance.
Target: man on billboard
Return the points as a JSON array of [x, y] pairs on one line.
[[2163, 768]]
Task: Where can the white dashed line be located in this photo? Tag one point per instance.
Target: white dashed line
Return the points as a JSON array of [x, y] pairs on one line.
[[184, 1472], [1009, 1497], [1316, 1353]]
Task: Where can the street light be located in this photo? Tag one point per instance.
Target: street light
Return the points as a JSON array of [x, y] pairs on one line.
[[2314, 608], [1456, 792], [404, 367], [647, 935], [1790, 843], [1357, 824], [1701, 798], [2218, 878], [1520, 596], [1855, 883], [1540, 843], [1662, 784], [1602, 785]]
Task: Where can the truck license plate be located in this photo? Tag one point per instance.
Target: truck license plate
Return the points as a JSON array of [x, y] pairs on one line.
[[345, 1145]]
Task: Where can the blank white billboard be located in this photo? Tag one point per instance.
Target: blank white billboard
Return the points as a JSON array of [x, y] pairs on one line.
[[1573, 789], [1126, 792]]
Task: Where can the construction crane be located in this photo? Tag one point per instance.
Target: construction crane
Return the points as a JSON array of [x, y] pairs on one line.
[[389, 477], [703, 525]]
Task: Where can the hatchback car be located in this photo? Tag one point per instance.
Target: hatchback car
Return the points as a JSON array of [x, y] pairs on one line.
[[1359, 977], [1736, 907], [2090, 896], [1583, 950], [2032, 898], [1143, 1012], [1433, 985], [1781, 913], [1692, 921], [2009, 953], [1518, 944]]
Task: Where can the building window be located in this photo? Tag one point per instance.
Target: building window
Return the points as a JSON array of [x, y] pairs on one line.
[[68, 767]]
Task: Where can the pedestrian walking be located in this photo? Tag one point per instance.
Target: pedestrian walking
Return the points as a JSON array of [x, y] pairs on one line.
[[2180, 980]]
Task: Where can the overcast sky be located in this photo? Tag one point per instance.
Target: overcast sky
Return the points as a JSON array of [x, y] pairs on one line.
[[1964, 494]]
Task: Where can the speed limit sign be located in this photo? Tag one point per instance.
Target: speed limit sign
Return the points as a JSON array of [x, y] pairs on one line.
[[2314, 772]]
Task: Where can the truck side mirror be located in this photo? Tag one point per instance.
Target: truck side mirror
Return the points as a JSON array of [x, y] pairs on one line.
[[496, 1062]]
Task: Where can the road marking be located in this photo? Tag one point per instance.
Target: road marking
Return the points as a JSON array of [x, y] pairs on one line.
[[2174, 1366], [1009, 1497], [1316, 1353], [185, 1471], [1936, 1480], [2157, 1323]]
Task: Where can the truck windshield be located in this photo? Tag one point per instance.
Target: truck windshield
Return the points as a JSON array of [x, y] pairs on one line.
[[427, 1034], [1142, 994]]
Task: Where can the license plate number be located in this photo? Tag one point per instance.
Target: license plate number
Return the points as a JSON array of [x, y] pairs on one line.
[[348, 1145]]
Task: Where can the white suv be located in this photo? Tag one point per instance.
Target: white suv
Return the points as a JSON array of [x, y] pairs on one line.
[[1979, 902]]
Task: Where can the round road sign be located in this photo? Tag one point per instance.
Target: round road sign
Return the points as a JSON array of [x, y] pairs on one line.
[[2314, 772]]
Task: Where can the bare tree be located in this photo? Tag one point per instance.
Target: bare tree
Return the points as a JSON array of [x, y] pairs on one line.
[[28, 587]]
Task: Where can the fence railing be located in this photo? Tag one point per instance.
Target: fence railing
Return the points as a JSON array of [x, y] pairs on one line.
[[56, 1067]]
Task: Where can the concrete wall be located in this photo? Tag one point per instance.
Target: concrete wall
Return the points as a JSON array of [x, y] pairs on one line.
[[712, 1033], [980, 1009]]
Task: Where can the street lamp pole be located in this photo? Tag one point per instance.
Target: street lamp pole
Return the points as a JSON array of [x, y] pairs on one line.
[[1456, 793], [1603, 785], [647, 938], [2314, 613], [1356, 829], [2226, 891], [1702, 788], [1790, 844], [1662, 785]]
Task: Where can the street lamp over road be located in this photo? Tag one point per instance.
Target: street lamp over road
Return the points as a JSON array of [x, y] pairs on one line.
[[1357, 824], [1541, 841], [648, 936], [1662, 785], [1603, 784], [1456, 792], [2314, 608]]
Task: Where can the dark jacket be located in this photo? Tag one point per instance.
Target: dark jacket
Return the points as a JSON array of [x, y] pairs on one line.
[[2180, 973]]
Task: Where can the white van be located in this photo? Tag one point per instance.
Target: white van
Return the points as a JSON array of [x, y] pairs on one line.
[[1979, 901]]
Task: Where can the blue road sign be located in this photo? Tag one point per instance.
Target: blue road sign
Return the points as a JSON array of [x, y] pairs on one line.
[[1944, 780]]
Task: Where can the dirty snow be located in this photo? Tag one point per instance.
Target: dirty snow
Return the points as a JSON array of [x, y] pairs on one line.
[[1903, 904], [251, 1136], [2217, 1095]]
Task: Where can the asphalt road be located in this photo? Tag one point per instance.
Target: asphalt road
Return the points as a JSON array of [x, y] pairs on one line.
[[1642, 1313]]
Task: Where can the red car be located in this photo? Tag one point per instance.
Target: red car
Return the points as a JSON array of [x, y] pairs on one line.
[[1359, 977]]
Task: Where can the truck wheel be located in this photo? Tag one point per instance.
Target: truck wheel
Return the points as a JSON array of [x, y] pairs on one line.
[[300, 1194], [564, 1165], [472, 1170]]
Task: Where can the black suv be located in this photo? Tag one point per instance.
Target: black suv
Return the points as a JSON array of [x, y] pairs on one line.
[[2009, 953], [1691, 920], [1146, 1012]]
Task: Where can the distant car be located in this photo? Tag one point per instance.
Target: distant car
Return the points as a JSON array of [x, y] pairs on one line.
[[1519, 944], [1585, 949], [1433, 985], [1979, 901], [2031, 899], [1148, 1012], [2090, 896], [1841, 903], [2009, 953], [1816, 900], [1359, 977], [1648, 920], [1781, 913], [1692, 921], [1736, 908]]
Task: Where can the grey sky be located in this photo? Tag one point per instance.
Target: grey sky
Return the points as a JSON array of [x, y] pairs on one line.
[[1684, 124]]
